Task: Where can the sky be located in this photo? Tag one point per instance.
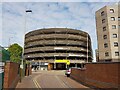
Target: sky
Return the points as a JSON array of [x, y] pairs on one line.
[[75, 14]]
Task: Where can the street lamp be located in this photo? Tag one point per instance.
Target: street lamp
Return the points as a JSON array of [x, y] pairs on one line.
[[10, 41], [27, 11]]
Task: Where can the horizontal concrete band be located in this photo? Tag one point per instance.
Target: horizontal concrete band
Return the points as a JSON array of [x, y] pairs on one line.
[[51, 44], [42, 42], [63, 48], [56, 30], [53, 61], [54, 55], [56, 36]]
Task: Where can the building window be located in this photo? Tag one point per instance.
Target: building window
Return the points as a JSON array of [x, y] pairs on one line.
[[116, 53], [102, 13], [106, 54], [111, 10], [112, 18], [119, 26], [104, 28], [114, 35], [103, 21], [105, 45], [115, 44], [118, 18], [105, 36], [113, 26]]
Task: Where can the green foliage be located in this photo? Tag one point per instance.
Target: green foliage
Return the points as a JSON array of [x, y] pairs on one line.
[[15, 52], [4, 54]]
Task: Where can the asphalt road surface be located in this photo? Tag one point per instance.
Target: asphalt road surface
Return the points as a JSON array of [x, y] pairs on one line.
[[54, 79]]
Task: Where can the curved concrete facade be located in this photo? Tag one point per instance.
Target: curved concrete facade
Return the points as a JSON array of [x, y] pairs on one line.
[[48, 45]]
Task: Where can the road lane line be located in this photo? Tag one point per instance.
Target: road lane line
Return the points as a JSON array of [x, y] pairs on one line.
[[63, 84], [35, 83], [66, 83]]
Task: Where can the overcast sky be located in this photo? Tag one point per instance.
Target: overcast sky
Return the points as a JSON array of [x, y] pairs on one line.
[[65, 13]]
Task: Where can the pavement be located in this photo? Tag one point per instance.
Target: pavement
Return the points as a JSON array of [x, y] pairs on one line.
[[48, 79], [27, 82]]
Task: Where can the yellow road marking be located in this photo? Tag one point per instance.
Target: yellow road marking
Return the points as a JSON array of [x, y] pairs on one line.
[[36, 83]]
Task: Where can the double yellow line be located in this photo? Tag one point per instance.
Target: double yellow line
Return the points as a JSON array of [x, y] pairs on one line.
[[37, 84]]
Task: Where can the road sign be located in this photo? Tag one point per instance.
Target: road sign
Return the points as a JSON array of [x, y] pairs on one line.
[[63, 61]]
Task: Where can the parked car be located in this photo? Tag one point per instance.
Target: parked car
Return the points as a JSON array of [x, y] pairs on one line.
[[68, 72]]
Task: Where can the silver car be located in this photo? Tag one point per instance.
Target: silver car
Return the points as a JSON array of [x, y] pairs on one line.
[[68, 72]]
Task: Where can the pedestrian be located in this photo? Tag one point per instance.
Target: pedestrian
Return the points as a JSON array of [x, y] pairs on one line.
[[35, 68]]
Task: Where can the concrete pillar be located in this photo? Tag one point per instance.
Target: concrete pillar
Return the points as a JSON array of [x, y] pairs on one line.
[[66, 65], [75, 64], [54, 65], [39, 65]]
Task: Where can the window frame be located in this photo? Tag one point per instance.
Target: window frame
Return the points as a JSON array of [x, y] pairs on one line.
[[112, 18], [105, 45], [103, 20], [118, 18], [112, 10], [104, 36], [115, 26], [102, 13], [104, 28], [115, 44], [118, 26], [115, 36], [106, 54], [117, 53]]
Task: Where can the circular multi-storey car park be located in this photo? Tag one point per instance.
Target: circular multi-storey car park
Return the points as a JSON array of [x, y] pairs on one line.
[[53, 47]]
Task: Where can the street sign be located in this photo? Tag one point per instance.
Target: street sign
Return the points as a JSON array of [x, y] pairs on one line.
[[63, 61]]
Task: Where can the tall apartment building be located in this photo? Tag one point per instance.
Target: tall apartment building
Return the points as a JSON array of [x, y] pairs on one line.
[[108, 33], [97, 55]]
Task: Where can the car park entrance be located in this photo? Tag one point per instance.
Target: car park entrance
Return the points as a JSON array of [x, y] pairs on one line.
[[60, 66]]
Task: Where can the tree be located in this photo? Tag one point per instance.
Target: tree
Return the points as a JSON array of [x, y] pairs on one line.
[[15, 52]]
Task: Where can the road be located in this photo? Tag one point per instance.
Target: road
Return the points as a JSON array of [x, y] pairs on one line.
[[51, 79]]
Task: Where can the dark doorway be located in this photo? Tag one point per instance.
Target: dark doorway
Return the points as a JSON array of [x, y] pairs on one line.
[[72, 65], [79, 65], [60, 66]]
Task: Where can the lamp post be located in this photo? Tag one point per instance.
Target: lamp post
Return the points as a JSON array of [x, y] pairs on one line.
[[27, 11], [9, 41]]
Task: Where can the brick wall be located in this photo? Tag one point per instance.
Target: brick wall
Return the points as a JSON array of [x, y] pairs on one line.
[[11, 75], [101, 75]]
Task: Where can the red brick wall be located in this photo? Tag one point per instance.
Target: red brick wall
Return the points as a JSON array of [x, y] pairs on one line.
[[11, 76], [102, 75]]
